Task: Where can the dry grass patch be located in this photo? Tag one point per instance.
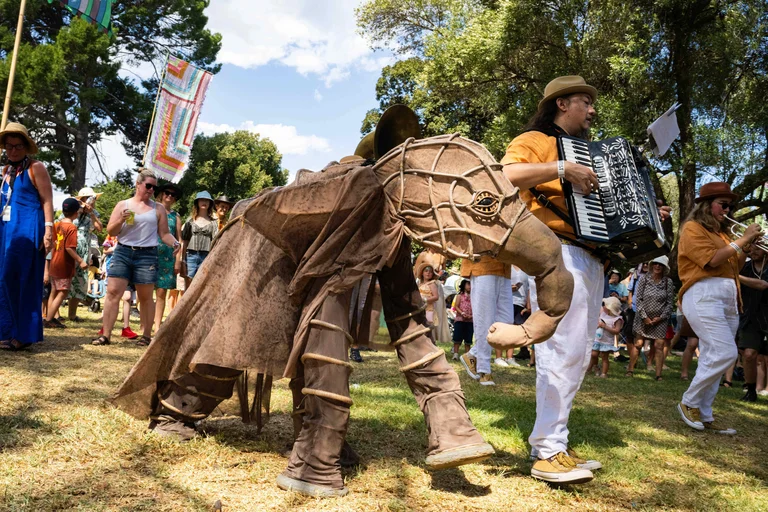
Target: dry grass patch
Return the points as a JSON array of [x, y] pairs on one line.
[[63, 447]]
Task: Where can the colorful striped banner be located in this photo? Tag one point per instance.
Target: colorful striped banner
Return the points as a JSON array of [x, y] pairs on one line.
[[97, 12], [178, 107]]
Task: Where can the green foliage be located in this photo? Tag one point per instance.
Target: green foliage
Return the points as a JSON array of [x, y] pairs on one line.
[[68, 89], [238, 164], [112, 192], [480, 68]]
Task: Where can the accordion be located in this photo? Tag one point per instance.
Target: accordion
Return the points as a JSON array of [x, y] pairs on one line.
[[621, 217]]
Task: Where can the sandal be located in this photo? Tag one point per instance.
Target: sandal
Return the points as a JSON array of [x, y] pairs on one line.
[[12, 345], [683, 377], [658, 378], [629, 374], [144, 341], [101, 340], [726, 384]]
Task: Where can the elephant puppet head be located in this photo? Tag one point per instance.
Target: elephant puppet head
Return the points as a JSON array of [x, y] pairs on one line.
[[453, 198]]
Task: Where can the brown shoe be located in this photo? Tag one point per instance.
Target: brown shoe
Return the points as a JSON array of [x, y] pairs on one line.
[[560, 469], [589, 464], [470, 364]]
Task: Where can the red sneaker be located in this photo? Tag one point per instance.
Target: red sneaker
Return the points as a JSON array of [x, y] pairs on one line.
[[129, 334]]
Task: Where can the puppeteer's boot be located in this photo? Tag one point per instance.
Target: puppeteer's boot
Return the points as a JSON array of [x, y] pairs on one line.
[[190, 398], [314, 468], [453, 439]]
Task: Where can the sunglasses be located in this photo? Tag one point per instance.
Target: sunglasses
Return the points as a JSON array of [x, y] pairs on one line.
[[172, 194], [18, 147], [725, 206], [149, 186]]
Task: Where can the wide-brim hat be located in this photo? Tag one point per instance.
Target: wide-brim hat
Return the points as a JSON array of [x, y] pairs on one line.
[[614, 271], [397, 124], [21, 131], [166, 187], [613, 305], [661, 259], [566, 85], [203, 195], [223, 199], [87, 192], [715, 189]]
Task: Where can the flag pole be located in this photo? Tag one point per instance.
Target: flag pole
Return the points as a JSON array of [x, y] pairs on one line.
[[154, 109], [16, 44]]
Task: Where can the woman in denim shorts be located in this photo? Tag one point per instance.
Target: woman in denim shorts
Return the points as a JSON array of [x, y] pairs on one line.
[[137, 222]]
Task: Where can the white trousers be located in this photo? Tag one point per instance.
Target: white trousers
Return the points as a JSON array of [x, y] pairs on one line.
[[562, 361], [491, 302], [710, 306]]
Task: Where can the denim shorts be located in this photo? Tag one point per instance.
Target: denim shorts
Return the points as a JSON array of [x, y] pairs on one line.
[[138, 266], [194, 260]]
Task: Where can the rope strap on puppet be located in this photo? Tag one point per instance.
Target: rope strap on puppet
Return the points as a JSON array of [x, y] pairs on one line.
[[424, 360], [327, 394], [325, 359], [331, 327], [412, 336], [179, 411], [408, 315], [213, 377]]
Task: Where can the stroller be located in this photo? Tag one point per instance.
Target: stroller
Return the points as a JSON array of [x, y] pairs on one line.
[[97, 289]]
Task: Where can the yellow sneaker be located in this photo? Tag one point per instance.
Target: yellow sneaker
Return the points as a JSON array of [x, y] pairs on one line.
[[486, 380], [717, 428], [589, 464], [470, 364], [691, 416], [561, 469]]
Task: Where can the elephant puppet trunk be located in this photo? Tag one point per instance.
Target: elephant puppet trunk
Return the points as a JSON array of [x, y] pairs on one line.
[[535, 249]]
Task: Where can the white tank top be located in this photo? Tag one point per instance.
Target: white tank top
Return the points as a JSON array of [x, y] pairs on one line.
[[143, 231]]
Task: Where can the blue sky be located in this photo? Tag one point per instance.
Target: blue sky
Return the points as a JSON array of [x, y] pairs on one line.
[[294, 71]]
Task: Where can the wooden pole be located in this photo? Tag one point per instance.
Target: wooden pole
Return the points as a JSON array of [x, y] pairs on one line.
[[154, 109], [9, 89]]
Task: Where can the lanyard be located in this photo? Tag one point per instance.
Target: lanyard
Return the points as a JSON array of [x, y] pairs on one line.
[[22, 166]]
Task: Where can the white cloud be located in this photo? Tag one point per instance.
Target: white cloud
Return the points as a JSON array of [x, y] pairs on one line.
[[286, 138], [318, 96], [314, 37]]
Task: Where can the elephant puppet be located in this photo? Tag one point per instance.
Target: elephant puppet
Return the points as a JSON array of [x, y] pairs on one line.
[[274, 297]]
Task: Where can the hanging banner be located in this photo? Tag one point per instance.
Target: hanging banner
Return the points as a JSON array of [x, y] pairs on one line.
[[179, 102], [97, 12]]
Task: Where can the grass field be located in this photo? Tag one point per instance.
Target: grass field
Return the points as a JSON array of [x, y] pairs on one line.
[[63, 447]]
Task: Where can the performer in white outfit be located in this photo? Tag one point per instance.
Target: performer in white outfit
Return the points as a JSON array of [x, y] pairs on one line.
[[708, 266]]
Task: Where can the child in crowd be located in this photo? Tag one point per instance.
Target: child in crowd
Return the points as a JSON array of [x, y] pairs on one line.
[[608, 327], [463, 328], [63, 261]]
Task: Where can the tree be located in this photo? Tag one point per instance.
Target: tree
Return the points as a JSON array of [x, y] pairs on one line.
[[69, 89], [480, 67], [238, 164]]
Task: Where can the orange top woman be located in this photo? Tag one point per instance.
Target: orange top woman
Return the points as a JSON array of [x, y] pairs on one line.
[[708, 266]]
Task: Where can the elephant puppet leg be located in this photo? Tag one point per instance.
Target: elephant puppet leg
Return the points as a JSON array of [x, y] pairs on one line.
[[453, 439], [349, 458], [191, 398], [314, 467], [534, 248]]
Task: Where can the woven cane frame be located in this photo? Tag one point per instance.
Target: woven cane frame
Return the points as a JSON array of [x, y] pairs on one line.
[[457, 210], [327, 394], [332, 327], [410, 337], [424, 360], [325, 359], [212, 377], [180, 412], [408, 315]]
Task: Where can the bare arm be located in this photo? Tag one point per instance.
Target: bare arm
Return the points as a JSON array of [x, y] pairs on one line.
[[45, 191], [616, 327], [162, 229], [117, 219], [434, 294], [526, 175], [80, 261], [724, 253], [751, 282]]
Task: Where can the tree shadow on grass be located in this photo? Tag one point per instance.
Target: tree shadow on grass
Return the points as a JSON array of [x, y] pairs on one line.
[[12, 425]]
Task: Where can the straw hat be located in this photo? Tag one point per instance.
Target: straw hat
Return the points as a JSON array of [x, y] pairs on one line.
[[613, 305], [21, 131], [87, 192], [715, 189], [565, 85]]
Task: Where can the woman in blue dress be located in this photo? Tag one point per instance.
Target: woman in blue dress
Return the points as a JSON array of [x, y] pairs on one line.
[[26, 236]]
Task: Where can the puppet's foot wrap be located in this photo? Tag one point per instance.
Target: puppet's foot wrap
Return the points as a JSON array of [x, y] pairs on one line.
[[314, 464], [191, 397]]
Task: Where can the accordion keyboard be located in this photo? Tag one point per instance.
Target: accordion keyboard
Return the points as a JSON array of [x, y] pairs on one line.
[[593, 210]]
